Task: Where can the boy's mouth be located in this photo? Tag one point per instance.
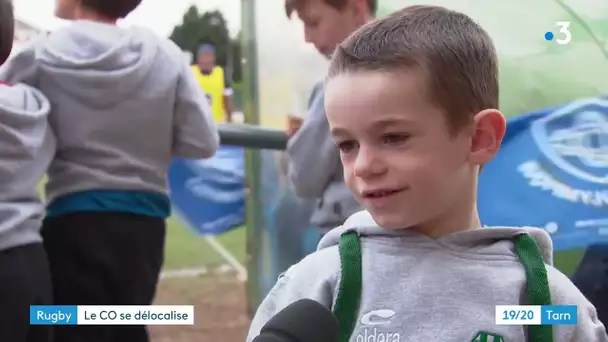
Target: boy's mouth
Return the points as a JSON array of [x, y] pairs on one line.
[[379, 193]]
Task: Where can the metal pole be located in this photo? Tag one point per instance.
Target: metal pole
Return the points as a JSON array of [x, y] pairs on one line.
[[252, 136]]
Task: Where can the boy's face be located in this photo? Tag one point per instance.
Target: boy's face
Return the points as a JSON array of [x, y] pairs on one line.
[[399, 158], [66, 9], [325, 27], [206, 61]]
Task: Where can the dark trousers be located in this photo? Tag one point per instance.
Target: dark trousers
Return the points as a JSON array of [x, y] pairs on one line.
[[24, 281], [104, 259], [591, 278]]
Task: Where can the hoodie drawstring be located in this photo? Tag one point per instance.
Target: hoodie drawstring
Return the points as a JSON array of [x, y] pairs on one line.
[[346, 308]]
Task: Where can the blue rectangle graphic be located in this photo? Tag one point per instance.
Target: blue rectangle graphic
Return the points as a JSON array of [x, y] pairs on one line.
[[53, 315], [558, 314]]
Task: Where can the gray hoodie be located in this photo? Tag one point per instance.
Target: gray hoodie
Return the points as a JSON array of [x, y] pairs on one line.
[[26, 149], [315, 170], [415, 288], [124, 102]]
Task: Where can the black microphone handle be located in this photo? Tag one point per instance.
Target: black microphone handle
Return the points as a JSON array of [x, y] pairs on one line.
[[302, 321]]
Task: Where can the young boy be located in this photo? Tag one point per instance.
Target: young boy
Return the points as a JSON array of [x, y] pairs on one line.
[[26, 149], [124, 102], [326, 24], [417, 265]]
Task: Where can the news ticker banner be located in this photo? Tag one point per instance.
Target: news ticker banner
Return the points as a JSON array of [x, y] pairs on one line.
[[112, 315], [184, 315], [536, 315]]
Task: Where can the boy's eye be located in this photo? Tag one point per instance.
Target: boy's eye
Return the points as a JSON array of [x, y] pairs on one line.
[[347, 145], [395, 138]]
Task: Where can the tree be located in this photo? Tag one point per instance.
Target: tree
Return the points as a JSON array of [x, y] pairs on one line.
[[209, 27], [237, 66]]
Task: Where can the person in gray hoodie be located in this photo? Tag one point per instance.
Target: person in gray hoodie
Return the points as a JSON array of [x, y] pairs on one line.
[[124, 103], [26, 149], [418, 265], [314, 161]]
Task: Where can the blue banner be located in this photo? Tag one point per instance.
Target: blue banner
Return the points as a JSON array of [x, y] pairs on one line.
[[209, 194], [552, 172]]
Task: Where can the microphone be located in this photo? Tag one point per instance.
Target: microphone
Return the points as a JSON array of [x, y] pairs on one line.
[[302, 321]]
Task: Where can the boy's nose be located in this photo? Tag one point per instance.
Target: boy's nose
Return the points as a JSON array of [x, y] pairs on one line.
[[368, 164]]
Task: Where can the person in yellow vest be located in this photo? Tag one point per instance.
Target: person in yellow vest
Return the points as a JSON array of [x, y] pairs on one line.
[[212, 80]]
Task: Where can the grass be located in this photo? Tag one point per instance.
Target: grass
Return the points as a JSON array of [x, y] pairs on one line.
[[185, 249], [567, 261]]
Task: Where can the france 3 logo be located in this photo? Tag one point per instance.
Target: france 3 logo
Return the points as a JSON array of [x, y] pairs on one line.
[[563, 36]]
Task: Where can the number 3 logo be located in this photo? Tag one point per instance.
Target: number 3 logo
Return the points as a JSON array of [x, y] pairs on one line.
[[564, 28]]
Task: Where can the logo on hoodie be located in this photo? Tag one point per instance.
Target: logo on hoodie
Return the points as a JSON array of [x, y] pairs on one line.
[[484, 336], [378, 317], [374, 327]]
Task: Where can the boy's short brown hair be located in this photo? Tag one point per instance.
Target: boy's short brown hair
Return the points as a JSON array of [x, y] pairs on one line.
[[455, 55], [291, 5], [7, 29], [112, 8]]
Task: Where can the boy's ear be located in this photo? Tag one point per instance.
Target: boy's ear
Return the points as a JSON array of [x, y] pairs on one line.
[[489, 130], [7, 29]]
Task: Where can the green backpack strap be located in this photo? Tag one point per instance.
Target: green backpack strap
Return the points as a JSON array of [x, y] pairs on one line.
[[346, 308], [538, 290]]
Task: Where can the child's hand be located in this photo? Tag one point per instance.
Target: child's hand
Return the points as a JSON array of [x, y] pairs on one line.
[[293, 125]]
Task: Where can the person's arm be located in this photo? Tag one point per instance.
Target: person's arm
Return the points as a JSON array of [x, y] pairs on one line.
[[313, 155], [195, 131], [588, 327], [228, 98], [24, 128], [315, 277], [22, 66]]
